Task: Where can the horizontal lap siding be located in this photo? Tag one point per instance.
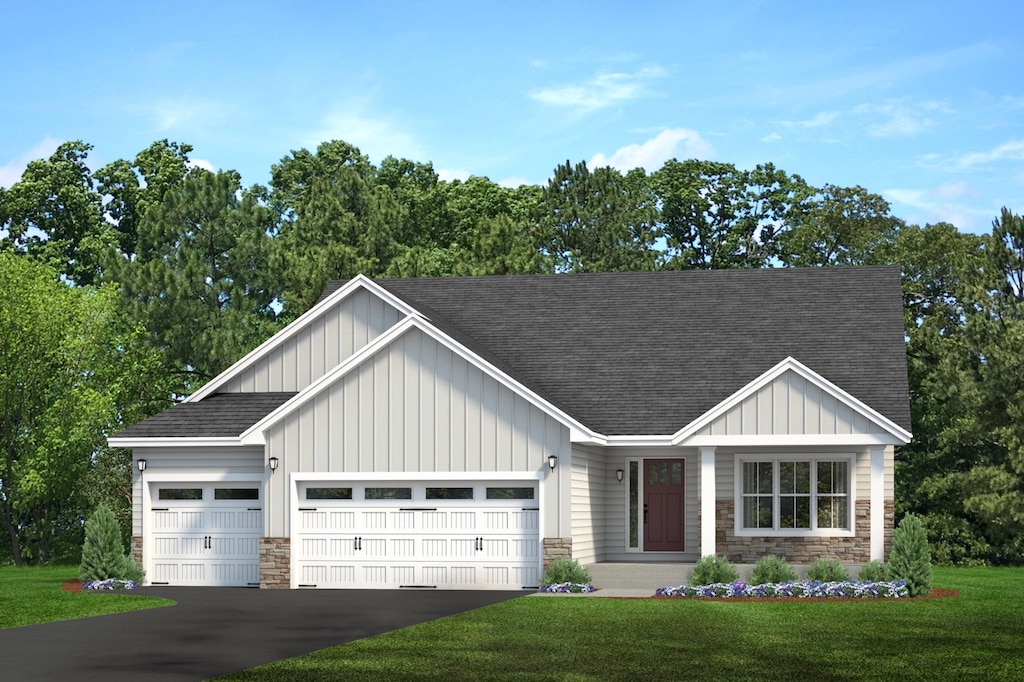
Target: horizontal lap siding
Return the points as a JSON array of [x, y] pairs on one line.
[[589, 501], [413, 407], [322, 344], [790, 405], [197, 461]]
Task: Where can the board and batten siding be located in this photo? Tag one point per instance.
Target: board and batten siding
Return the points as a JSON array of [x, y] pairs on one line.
[[322, 344], [194, 462], [790, 405], [415, 406], [589, 513]]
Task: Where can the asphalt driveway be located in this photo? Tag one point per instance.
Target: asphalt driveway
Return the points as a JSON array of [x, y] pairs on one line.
[[217, 630]]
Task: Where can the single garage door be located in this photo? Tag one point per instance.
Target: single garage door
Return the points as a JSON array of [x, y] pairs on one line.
[[205, 534], [479, 535]]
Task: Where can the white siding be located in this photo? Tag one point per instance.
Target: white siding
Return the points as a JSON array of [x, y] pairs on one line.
[[324, 343], [790, 405], [590, 493], [414, 407], [198, 461]]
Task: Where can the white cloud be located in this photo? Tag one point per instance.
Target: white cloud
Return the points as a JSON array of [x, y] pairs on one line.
[[772, 137], [821, 119], [10, 172], [947, 202], [376, 135], [652, 154], [181, 112], [1008, 151], [899, 117], [447, 175], [514, 182], [202, 163], [602, 91]]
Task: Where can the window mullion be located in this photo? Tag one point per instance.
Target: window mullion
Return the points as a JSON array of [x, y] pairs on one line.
[[776, 503]]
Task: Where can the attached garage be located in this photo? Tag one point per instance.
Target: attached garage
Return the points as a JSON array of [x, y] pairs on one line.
[[205, 533], [415, 534]]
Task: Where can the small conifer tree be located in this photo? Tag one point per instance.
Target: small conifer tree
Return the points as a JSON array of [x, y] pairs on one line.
[[103, 554], [910, 558]]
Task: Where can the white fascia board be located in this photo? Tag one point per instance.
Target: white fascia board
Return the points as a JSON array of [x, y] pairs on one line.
[[254, 435], [900, 435], [353, 285], [783, 440], [169, 442]]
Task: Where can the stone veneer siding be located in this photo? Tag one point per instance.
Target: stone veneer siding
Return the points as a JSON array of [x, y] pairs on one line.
[[275, 563], [848, 550], [556, 548], [136, 549]]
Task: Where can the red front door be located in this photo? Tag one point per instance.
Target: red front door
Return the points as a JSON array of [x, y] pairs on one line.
[[663, 505]]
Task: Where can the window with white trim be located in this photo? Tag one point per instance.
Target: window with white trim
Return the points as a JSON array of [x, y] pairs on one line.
[[789, 494]]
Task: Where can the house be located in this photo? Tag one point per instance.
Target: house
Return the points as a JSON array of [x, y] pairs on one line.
[[460, 433]]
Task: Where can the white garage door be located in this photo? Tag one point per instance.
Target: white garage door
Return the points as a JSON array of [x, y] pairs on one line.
[[479, 535], [205, 534]]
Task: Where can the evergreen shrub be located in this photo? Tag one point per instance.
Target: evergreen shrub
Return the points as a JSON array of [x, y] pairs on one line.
[[772, 569], [713, 569], [827, 571], [874, 571], [910, 558], [566, 571], [103, 554]]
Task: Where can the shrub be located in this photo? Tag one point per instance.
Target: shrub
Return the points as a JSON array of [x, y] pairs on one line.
[[712, 569], [874, 571], [828, 571], [566, 571], [910, 559], [772, 569], [103, 555]]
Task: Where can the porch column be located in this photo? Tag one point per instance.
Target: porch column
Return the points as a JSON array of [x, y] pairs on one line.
[[707, 501], [877, 502]]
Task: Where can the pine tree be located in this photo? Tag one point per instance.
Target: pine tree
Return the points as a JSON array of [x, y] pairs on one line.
[[910, 558], [103, 554]]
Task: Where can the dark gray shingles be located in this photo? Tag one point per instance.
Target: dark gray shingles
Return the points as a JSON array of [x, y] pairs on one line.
[[220, 415], [647, 353]]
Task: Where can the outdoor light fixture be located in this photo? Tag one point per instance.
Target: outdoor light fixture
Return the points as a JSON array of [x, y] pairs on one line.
[[142, 465], [619, 473], [273, 463], [552, 462]]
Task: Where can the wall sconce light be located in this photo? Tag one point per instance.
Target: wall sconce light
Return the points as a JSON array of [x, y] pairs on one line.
[[273, 463], [141, 464], [619, 473], [552, 462]]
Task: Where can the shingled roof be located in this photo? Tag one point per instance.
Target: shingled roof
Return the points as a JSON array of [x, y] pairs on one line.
[[647, 353], [220, 415]]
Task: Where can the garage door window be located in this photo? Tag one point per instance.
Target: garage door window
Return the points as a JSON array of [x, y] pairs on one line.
[[236, 493], [328, 493], [388, 494], [449, 493], [180, 494], [510, 493]]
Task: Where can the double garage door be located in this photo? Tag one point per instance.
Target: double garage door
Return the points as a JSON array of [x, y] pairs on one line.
[[388, 535], [205, 534]]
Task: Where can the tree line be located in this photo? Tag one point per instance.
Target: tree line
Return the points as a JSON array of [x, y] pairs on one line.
[[124, 289]]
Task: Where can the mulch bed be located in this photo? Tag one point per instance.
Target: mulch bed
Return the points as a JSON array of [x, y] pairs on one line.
[[936, 593], [72, 586]]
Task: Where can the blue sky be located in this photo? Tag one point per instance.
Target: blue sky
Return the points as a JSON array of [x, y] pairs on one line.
[[922, 102]]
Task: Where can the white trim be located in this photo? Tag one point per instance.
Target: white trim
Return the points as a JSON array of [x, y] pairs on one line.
[[296, 325], [686, 434], [877, 503], [851, 473], [707, 501], [254, 435], [174, 442], [845, 440]]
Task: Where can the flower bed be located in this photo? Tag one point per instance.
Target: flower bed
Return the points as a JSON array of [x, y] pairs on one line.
[[849, 589], [567, 587], [110, 584]]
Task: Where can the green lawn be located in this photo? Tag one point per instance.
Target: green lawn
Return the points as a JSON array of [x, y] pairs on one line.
[[978, 635], [33, 595]]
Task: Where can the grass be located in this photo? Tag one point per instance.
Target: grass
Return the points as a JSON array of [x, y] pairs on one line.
[[32, 595], [977, 635]]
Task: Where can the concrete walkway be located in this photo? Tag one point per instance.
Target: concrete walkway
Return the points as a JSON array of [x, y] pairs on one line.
[[214, 631]]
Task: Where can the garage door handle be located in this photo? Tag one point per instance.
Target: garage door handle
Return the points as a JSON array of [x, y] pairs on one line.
[[357, 543], [479, 544]]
